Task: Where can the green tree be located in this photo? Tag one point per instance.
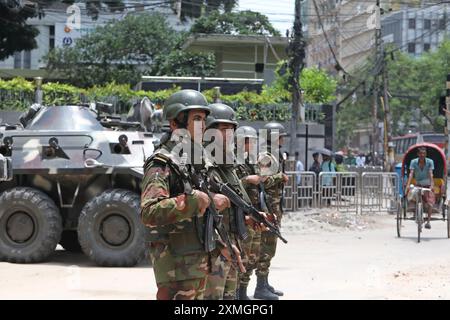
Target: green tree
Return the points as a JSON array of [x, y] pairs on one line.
[[16, 35], [415, 86], [242, 22], [318, 87], [122, 51]]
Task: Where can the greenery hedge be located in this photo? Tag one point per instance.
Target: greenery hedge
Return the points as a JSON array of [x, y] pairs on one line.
[[18, 94]]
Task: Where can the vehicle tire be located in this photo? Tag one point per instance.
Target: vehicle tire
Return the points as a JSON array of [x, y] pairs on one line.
[[419, 217], [110, 230], [30, 225], [69, 241], [444, 210], [399, 220], [404, 206], [448, 224]]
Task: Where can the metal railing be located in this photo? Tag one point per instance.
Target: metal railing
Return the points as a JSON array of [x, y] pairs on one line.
[[368, 192], [379, 192]]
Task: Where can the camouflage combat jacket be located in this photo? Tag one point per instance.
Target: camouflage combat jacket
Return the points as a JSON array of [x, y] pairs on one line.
[[273, 184], [226, 173], [243, 171], [160, 185]]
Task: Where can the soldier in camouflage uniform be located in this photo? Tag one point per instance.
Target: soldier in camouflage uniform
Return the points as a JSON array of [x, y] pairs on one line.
[[222, 281], [273, 185], [172, 209], [249, 174]]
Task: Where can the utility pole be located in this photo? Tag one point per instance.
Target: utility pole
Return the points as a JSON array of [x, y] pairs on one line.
[[376, 84], [296, 52], [447, 107], [387, 114]]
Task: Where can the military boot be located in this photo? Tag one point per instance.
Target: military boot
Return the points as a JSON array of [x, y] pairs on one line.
[[272, 289], [262, 291], [242, 293]]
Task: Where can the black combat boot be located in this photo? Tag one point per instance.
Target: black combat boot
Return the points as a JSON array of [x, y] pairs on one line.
[[272, 289], [262, 291], [242, 293]]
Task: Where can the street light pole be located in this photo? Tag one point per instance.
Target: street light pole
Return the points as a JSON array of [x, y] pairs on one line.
[[38, 95]]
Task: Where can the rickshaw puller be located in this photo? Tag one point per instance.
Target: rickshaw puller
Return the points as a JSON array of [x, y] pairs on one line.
[[421, 169]]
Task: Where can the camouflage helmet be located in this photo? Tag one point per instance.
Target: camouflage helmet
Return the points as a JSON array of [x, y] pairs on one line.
[[246, 132], [221, 113], [275, 127], [182, 101]]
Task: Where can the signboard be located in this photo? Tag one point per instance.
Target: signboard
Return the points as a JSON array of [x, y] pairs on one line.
[[65, 36]]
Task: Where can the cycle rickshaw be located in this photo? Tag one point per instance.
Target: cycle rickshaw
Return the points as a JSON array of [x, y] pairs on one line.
[[414, 211]]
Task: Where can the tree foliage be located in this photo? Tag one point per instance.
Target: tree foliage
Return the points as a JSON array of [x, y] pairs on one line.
[[122, 51], [415, 86], [16, 35], [318, 87], [242, 22]]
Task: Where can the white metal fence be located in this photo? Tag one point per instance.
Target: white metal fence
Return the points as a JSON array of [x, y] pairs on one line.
[[368, 192]]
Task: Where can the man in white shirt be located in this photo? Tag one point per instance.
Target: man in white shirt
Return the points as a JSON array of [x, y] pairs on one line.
[[360, 160], [298, 167]]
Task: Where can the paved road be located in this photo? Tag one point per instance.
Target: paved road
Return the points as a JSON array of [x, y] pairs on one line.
[[319, 264]]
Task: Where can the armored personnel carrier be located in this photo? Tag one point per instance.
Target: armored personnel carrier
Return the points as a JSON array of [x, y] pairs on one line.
[[75, 180]]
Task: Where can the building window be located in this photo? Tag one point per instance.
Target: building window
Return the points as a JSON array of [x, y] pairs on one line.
[[442, 24], [51, 43], [17, 60], [27, 59], [411, 47], [427, 24], [426, 47], [412, 23]]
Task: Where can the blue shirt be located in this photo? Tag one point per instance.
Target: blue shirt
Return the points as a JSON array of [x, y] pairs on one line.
[[328, 166], [422, 175]]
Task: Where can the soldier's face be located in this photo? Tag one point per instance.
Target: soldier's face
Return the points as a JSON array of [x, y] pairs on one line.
[[196, 124], [227, 131], [249, 144]]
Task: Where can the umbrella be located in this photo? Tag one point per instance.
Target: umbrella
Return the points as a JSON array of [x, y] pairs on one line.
[[324, 151]]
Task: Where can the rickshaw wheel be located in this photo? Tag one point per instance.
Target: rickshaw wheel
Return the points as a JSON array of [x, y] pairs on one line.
[[444, 209], [419, 213], [448, 224], [399, 220], [404, 206]]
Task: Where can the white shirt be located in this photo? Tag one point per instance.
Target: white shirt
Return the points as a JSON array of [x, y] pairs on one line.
[[299, 167], [360, 161]]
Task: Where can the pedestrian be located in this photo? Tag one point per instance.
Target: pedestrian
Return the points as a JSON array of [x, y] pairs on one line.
[[298, 167], [328, 185], [360, 160], [315, 166]]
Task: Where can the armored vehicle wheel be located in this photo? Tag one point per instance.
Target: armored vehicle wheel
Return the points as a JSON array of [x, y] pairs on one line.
[[30, 225], [69, 241], [110, 230]]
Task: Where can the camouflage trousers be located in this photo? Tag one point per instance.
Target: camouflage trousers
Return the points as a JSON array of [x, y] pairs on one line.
[[251, 247], [192, 289], [178, 276], [268, 246], [221, 283]]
